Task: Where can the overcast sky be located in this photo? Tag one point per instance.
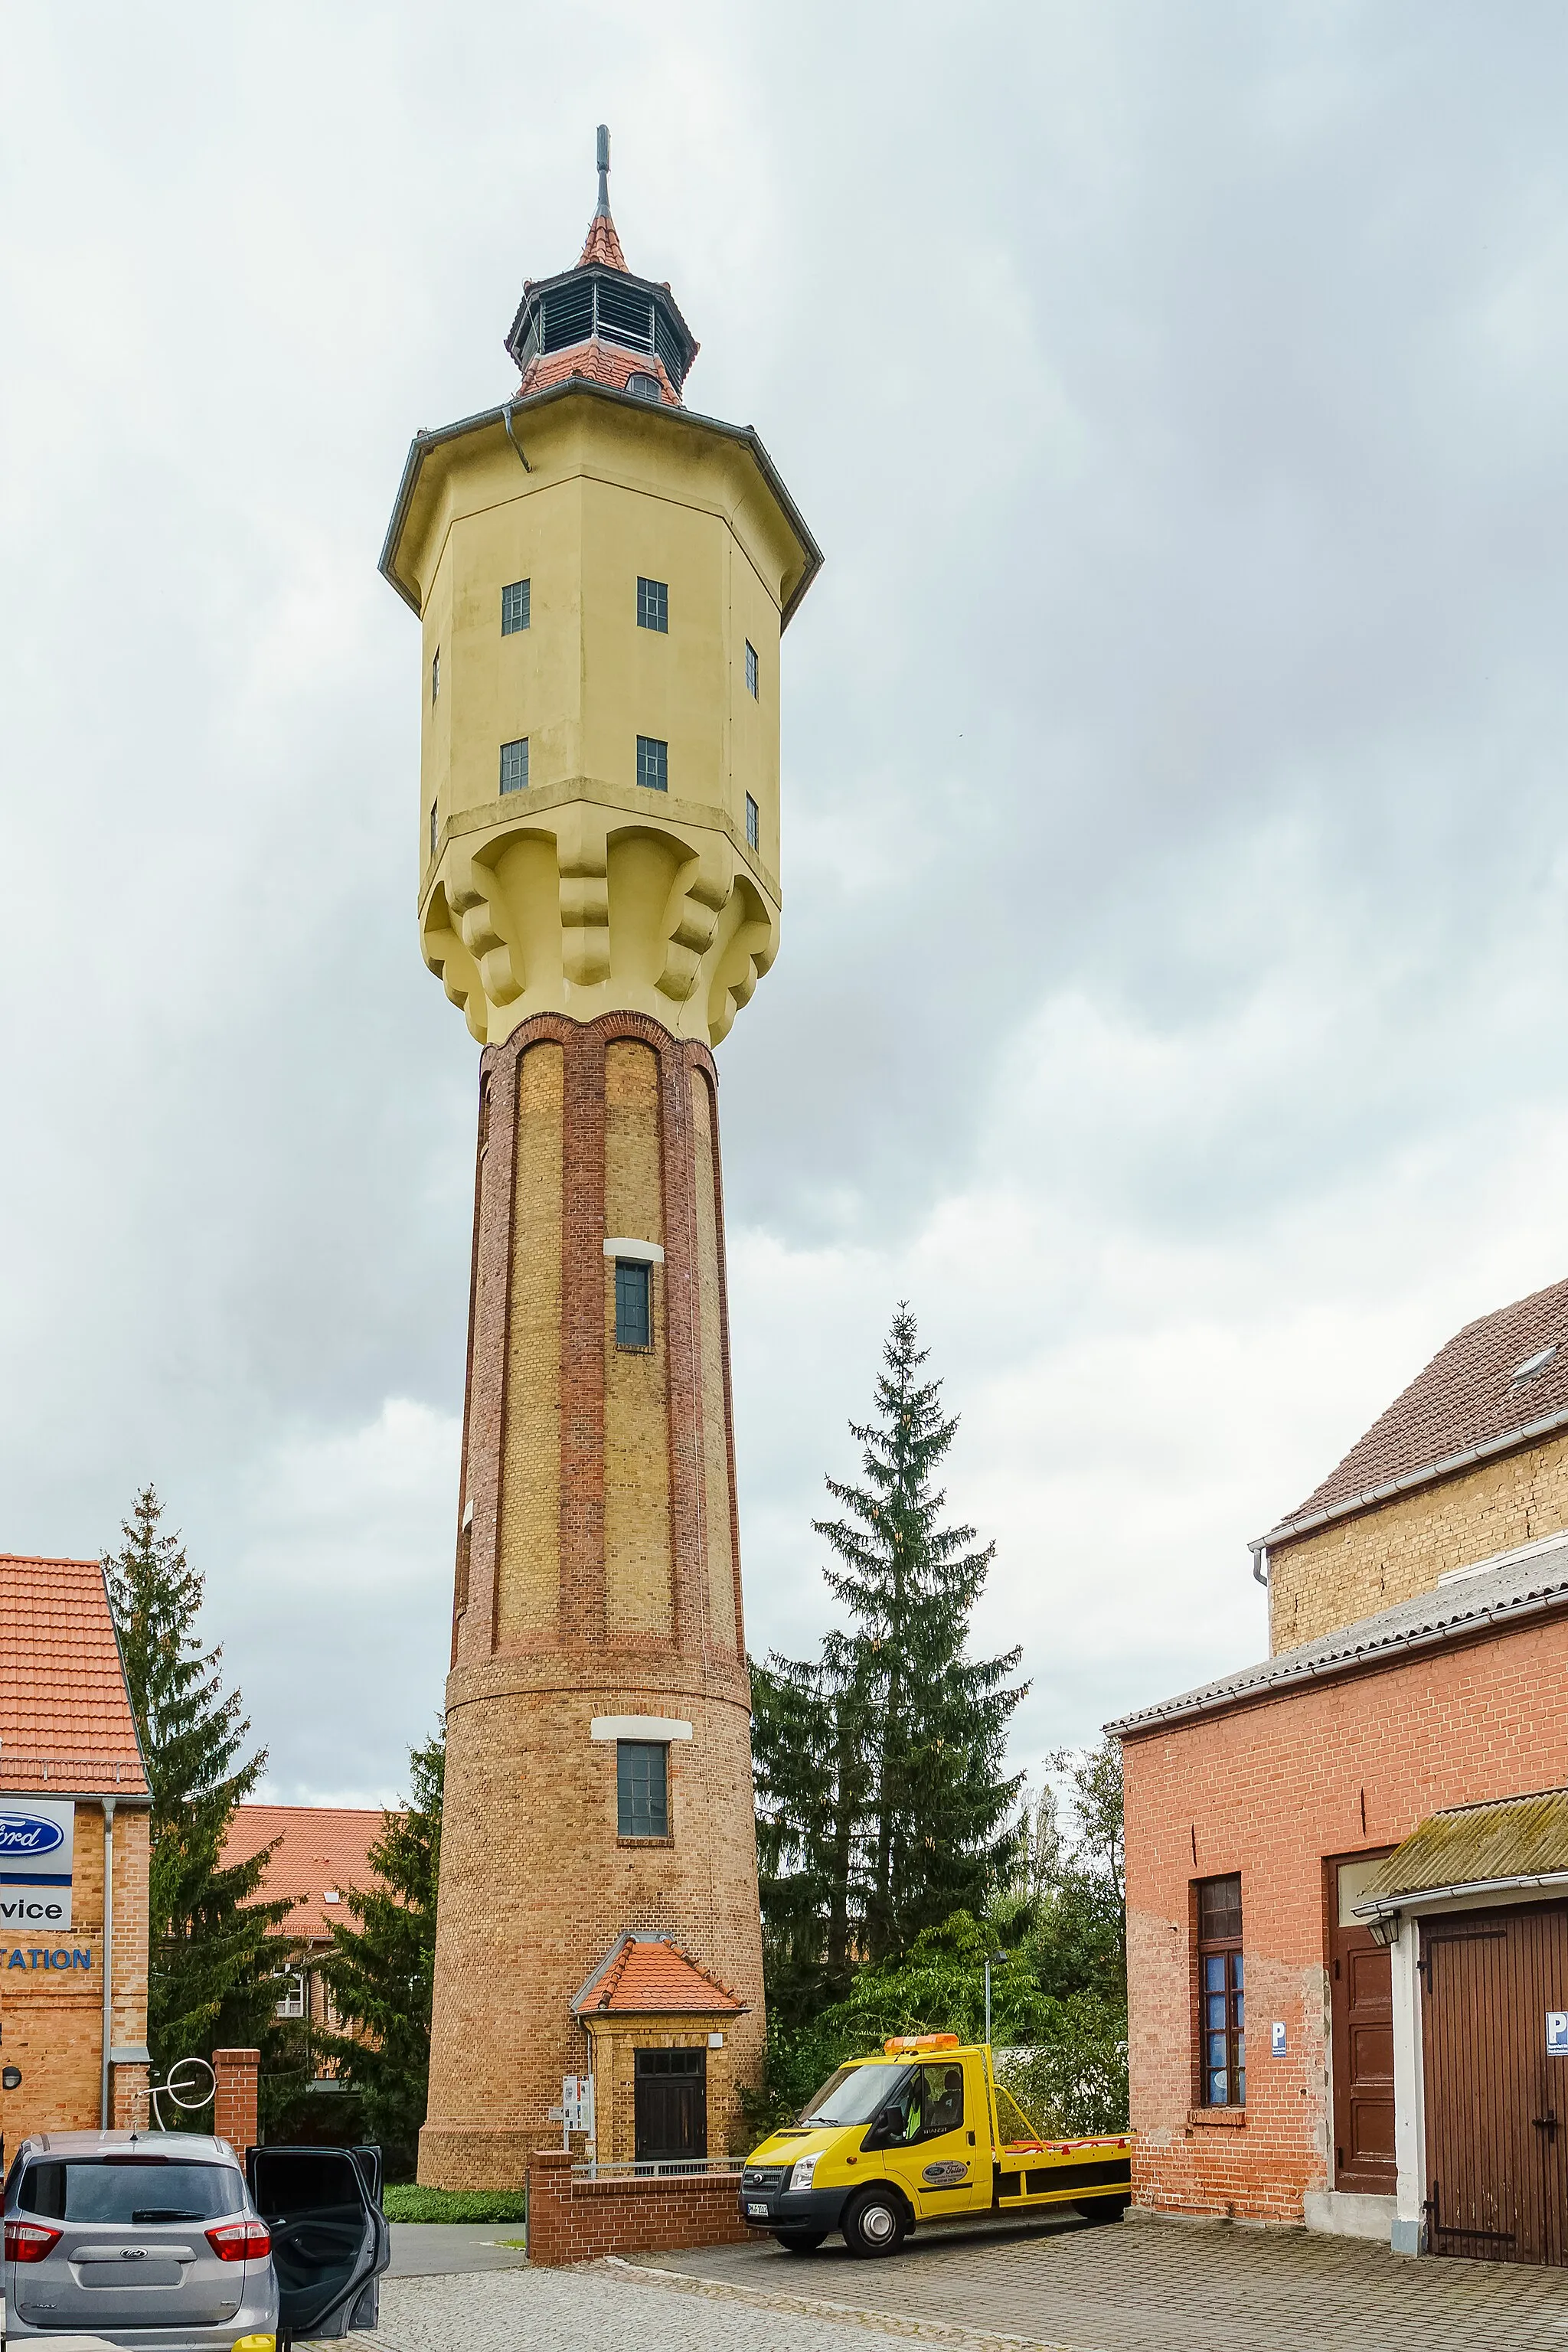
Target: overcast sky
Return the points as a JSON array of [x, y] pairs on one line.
[[1170, 1000]]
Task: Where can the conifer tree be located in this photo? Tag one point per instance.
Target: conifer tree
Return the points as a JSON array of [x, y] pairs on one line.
[[381, 1972], [213, 1959], [882, 1806]]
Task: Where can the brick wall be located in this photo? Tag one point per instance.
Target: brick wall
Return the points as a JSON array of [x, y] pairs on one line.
[[1356, 1565], [1270, 1790], [600, 1577], [573, 2220], [51, 2018]]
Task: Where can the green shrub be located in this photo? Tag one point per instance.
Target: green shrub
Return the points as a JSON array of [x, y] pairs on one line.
[[410, 2204]]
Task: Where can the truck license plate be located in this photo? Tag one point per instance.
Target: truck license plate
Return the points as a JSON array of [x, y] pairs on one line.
[[757, 2212]]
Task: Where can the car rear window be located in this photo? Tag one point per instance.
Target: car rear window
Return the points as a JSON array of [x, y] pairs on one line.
[[130, 2189]]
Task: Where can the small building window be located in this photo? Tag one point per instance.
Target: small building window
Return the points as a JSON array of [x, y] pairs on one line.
[[653, 763], [432, 828], [435, 673], [1222, 2019], [633, 1303], [514, 766], [516, 607], [750, 667], [642, 1788], [645, 386], [753, 822], [653, 605], [292, 2001]]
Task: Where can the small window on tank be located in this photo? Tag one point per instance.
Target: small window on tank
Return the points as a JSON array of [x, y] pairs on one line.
[[432, 829], [653, 605], [514, 766], [516, 607], [751, 669], [753, 823], [435, 673], [646, 387], [653, 763]]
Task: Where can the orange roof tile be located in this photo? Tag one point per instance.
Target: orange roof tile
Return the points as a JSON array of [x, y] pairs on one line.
[[650, 1975], [600, 363], [602, 244], [322, 1848], [64, 1712]]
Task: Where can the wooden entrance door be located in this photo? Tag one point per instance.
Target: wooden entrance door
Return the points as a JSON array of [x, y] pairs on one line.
[[1496, 2106], [1361, 2036], [669, 2090]]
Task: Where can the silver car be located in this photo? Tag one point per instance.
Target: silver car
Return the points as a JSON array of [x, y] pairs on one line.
[[146, 2237], [159, 2241]]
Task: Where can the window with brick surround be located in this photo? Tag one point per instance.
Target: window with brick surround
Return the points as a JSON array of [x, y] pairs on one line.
[[634, 1303], [516, 607], [642, 1788], [653, 605], [1222, 2001]]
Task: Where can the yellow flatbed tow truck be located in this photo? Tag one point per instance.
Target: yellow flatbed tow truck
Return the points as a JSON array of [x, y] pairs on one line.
[[921, 2132]]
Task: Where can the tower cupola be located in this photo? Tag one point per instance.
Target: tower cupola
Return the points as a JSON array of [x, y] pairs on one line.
[[599, 321]]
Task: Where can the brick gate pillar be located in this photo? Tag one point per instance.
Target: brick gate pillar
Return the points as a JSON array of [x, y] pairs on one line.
[[234, 2100]]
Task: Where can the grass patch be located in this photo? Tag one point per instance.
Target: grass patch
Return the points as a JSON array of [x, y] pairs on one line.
[[408, 2203]]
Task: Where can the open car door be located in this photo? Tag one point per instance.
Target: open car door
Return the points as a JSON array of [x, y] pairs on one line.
[[330, 2238]]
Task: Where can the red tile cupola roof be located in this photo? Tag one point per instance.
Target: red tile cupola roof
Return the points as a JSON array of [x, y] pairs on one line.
[[650, 1976], [601, 322]]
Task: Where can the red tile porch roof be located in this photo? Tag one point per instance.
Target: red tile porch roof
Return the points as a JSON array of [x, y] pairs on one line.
[[651, 1976]]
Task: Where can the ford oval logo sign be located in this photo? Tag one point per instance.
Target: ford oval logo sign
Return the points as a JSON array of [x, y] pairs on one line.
[[28, 1833]]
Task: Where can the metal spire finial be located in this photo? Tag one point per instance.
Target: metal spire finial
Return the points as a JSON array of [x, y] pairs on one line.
[[604, 159]]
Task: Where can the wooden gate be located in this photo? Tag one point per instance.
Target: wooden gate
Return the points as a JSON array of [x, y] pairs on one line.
[[1496, 2106]]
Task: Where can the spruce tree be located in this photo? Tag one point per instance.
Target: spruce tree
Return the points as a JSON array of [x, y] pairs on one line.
[[381, 1971], [214, 1958], [882, 1806]]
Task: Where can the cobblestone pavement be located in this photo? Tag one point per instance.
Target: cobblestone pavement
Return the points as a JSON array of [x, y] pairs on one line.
[[1160, 2286], [611, 2307]]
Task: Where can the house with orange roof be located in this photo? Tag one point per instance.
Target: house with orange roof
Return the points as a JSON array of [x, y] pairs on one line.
[[1347, 1864], [318, 1853], [74, 1814], [658, 2051]]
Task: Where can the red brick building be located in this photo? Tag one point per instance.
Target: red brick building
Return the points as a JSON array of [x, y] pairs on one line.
[[74, 1805], [1347, 1893], [319, 1852]]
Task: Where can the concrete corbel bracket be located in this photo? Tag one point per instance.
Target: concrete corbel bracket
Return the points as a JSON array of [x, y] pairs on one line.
[[745, 956], [475, 900], [701, 891], [450, 959], [582, 851]]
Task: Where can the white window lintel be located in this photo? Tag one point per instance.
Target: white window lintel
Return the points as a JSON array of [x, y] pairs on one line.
[[639, 1727], [640, 1253]]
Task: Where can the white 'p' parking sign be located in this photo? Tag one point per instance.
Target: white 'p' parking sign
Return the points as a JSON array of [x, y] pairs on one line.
[[1557, 2032]]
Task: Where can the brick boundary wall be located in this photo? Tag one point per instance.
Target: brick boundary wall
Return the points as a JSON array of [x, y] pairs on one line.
[[574, 2220], [234, 2096]]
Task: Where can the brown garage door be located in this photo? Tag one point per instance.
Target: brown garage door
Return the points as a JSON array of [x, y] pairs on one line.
[[1496, 2106]]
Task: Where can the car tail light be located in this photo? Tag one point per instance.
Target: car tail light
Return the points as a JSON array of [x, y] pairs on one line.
[[26, 2242], [241, 2242]]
